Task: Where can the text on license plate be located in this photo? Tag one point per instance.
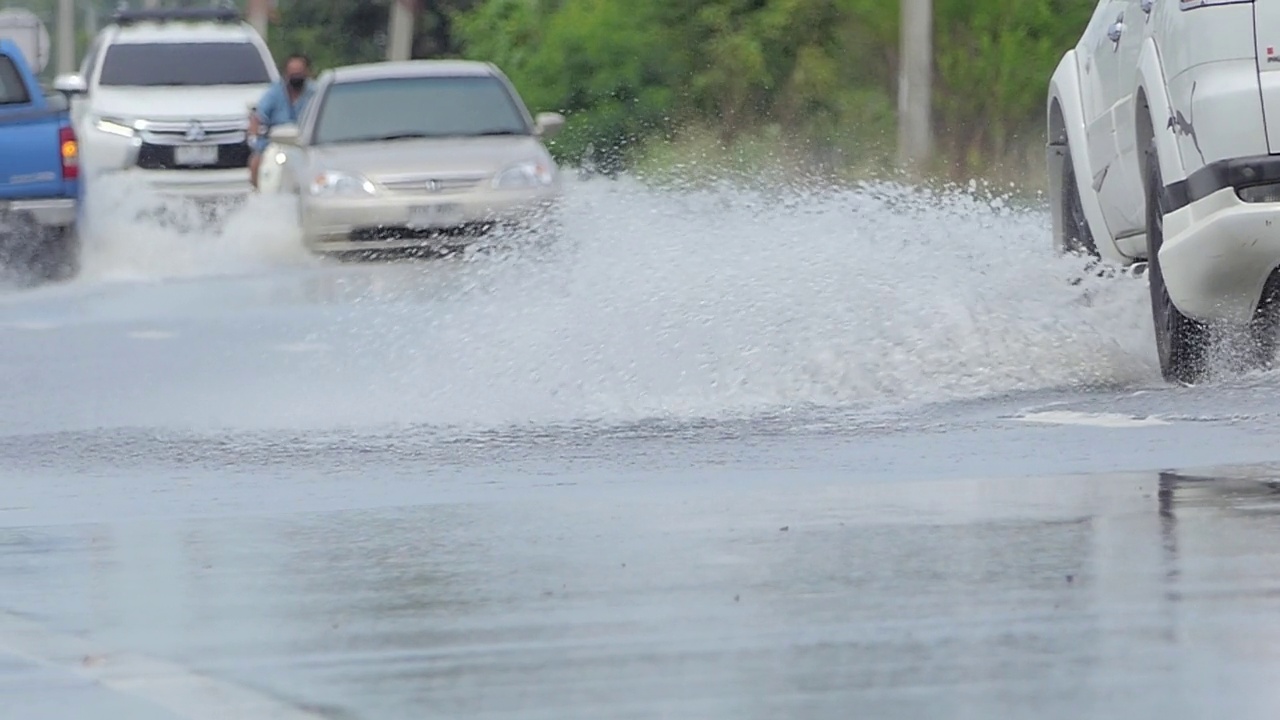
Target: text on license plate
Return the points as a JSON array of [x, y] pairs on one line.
[[195, 154], [424, 216]]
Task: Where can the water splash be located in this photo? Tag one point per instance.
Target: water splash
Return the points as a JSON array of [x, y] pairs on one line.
[[682, 304], [134, 234]]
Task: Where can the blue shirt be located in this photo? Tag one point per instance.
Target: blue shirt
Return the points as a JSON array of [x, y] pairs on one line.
[[275, 109]]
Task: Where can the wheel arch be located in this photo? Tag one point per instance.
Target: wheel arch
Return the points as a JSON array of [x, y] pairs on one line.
[[1153, 112], [1065, 127]]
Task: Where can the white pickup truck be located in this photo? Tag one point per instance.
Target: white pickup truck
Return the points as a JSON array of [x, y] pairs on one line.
[[163, 99], [1164, 149]]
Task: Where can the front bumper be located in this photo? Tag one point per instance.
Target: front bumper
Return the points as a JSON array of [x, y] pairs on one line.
[[385, 221], [51, 212], [115, 159], [229, 183], [1219, 250]]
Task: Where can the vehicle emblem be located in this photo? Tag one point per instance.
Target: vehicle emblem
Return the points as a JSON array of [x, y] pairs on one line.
[[195, 132], [433, 185]]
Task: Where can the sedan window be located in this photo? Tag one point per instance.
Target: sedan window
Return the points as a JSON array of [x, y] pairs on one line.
[[403, 108]]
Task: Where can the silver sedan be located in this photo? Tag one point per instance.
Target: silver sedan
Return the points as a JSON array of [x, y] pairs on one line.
[[409, 154]]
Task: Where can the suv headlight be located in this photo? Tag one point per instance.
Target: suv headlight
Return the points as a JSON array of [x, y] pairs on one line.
[[525, 175], [333, 182], [115, 126]]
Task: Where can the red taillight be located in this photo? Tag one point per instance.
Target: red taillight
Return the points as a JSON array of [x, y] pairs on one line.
[[70, 150]]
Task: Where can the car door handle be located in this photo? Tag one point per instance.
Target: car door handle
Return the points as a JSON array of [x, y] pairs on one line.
[[1116, 30]]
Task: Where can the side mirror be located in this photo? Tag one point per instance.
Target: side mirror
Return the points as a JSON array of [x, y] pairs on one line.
[[284, 134], [549, 124], [71, 84]]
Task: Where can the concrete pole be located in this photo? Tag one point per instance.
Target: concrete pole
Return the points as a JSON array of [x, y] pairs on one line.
[[404, 15], [66, 36], [915, 85], [259, 14]]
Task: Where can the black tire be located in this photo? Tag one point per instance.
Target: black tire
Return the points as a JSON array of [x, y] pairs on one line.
[[1077, 238], [59, 259], [33, 254], [1182, 343], [1265, 325]]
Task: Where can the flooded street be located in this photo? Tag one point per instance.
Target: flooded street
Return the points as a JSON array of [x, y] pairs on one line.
[[718, 455]]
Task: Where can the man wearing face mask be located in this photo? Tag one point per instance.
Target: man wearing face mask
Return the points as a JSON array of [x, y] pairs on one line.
[[281, 104]]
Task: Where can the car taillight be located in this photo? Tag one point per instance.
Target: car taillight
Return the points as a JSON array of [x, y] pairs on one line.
[[70, 150]]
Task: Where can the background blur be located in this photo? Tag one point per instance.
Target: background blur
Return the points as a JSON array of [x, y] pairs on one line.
[[721, 85]]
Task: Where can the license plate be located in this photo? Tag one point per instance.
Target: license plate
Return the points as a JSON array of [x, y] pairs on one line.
[[425, 216], [195, 154]]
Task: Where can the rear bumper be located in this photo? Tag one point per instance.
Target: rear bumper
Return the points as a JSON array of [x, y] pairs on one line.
[[1219, 248], [47, 212]]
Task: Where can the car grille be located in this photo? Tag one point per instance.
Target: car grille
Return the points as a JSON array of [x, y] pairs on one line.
[[160, 157], [160, 138], [427, 184]]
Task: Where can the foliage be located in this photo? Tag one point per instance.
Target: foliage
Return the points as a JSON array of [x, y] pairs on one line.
[[822, 72], [819, 75]]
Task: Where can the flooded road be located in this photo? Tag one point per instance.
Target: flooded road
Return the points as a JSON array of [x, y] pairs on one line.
[[679, 468]]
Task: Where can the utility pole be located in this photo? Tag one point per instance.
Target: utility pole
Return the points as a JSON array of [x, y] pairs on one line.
[[915, 85], [259, 13], [66, 36], [404, 15]]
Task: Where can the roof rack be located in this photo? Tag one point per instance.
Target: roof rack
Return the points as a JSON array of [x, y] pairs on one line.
[[126, 16]]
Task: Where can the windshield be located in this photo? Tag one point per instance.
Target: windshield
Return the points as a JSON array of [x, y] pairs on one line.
[[418, 107], [212, 63]]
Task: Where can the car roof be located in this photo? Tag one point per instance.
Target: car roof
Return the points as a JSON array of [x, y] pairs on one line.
[[181, 32], [412, 68]]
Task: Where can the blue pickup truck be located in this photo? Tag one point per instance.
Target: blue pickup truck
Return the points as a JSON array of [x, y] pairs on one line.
[[39, 175]]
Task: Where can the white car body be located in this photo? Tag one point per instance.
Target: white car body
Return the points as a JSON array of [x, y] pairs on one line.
[[445, 186], [1195, 86], [186, 139]]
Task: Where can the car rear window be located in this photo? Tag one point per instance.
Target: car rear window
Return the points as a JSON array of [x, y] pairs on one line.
[[204, 63], [450, 106], [12, 90]]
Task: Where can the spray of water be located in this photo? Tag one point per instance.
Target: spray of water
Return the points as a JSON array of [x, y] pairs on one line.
[[135, 234], [697, 303], [714, 302]]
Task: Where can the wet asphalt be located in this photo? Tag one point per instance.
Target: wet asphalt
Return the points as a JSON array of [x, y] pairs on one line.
[[203, 515]]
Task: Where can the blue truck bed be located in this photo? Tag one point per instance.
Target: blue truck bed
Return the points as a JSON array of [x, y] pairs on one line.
[[39, 173]]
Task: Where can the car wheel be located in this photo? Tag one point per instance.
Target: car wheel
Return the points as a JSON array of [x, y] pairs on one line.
[[1076, 236], [1265, 325], [59, 257], [1182, 343]]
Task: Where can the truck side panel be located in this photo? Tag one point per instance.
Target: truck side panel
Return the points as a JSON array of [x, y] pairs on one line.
[[30, 142]]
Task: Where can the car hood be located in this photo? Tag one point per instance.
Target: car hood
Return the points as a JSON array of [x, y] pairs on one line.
[[477, 156], [177, 103]]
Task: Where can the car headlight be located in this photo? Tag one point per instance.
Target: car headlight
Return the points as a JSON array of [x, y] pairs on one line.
[[332, 182], [114, 126], [525, 175]]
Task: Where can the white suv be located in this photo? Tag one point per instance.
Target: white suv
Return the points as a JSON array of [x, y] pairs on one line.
[[1164, 148], [163, 96]]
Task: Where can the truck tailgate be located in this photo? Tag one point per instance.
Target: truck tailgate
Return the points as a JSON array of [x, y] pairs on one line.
[[30, 159]]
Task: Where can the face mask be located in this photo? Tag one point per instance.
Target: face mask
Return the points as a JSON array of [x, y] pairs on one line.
[[297, 81]]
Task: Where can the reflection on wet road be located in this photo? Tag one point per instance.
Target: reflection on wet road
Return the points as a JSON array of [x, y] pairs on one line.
[[1139, 595]]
